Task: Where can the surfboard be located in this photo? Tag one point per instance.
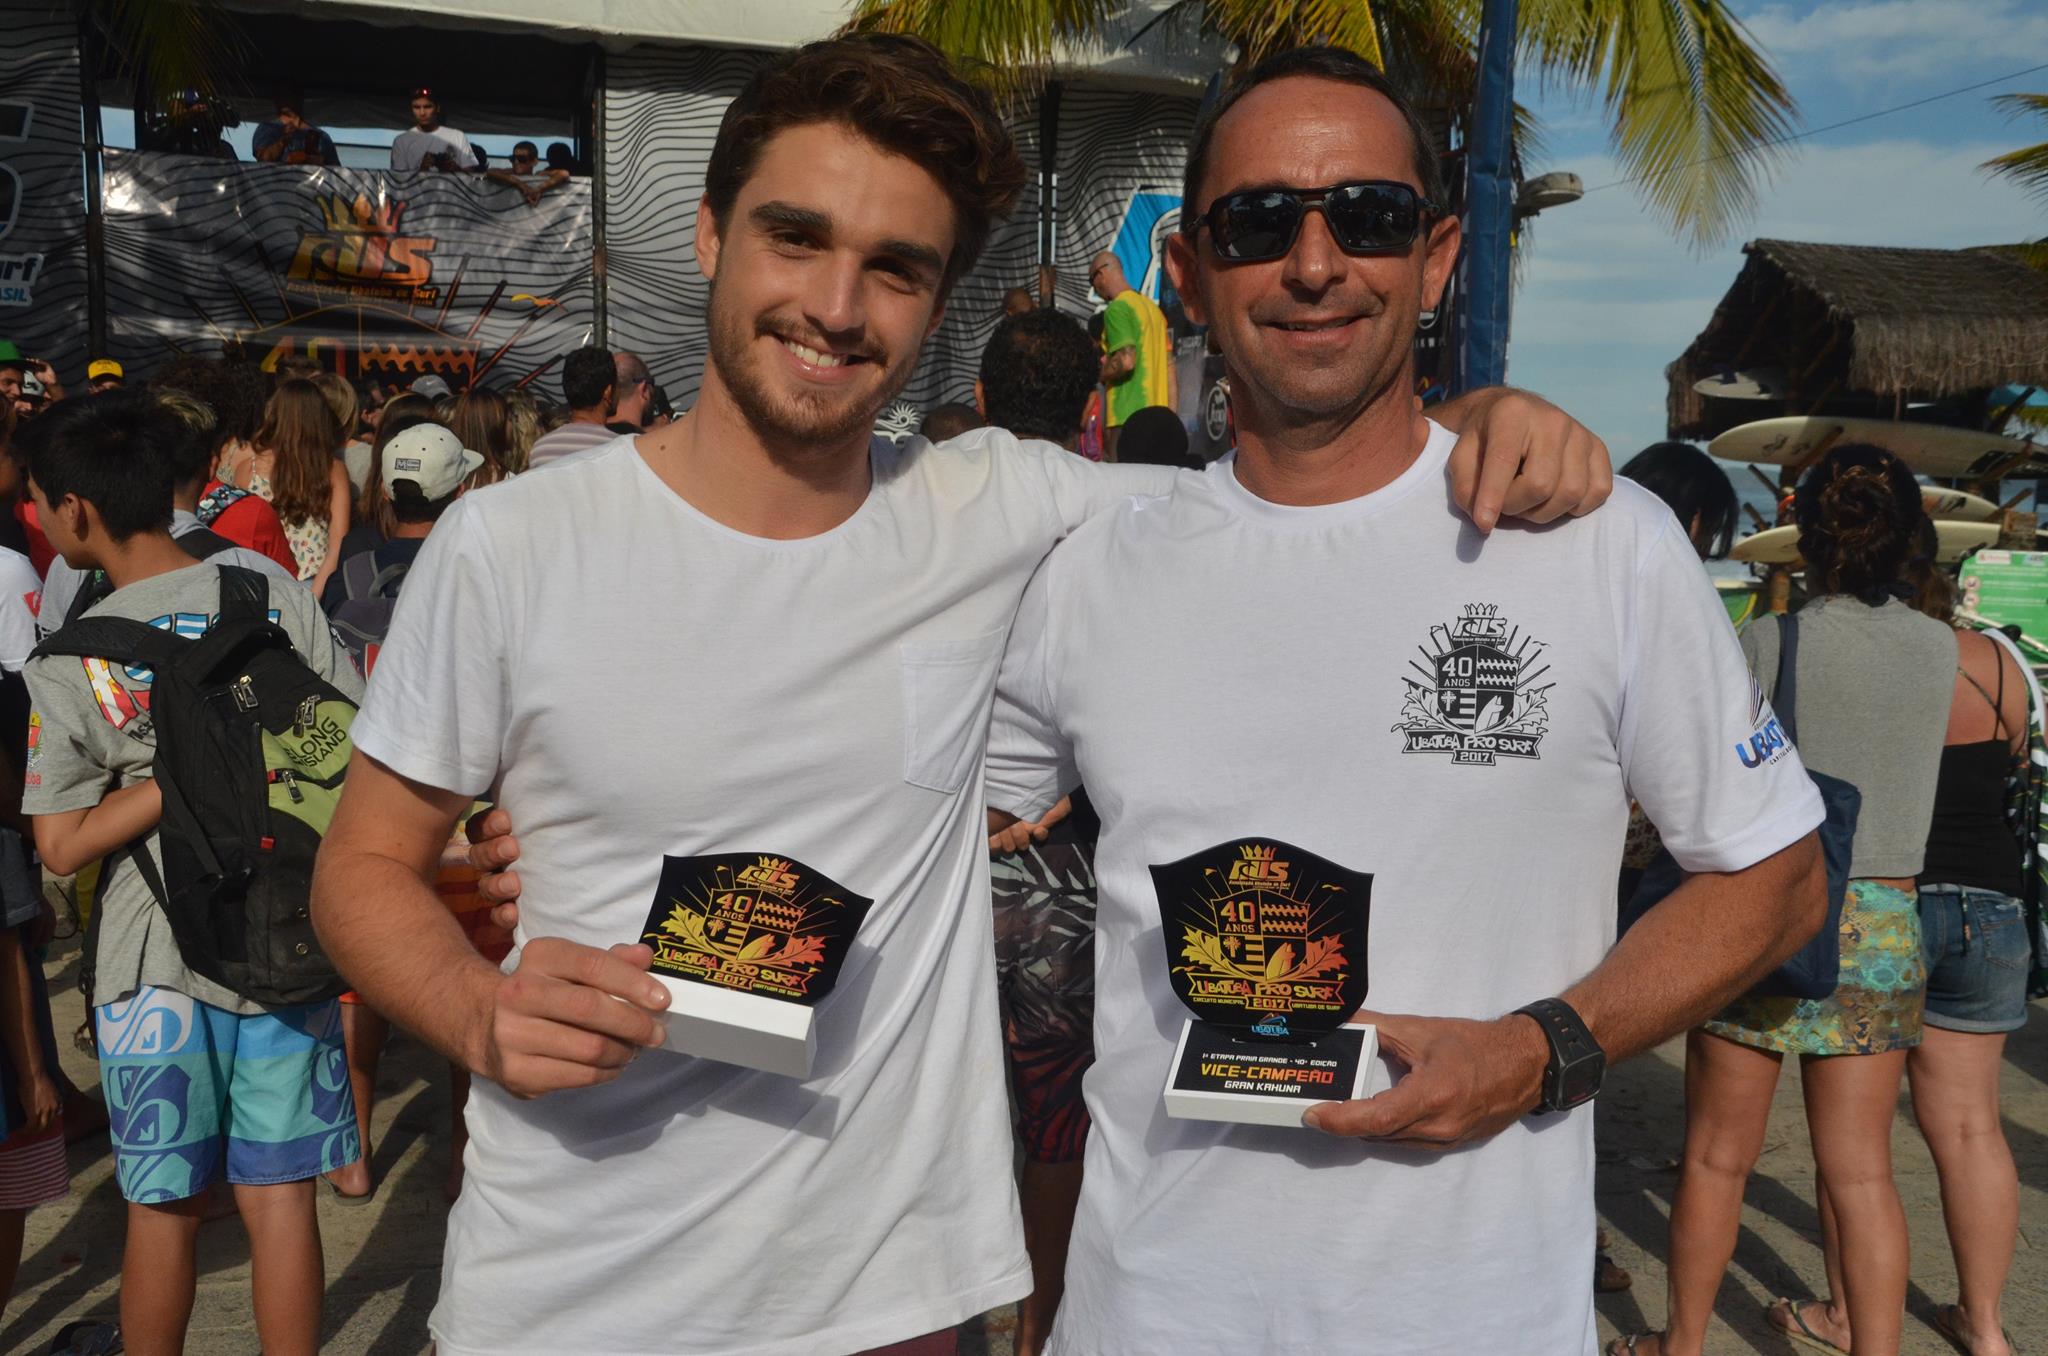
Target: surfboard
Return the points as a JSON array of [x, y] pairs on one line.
[[1929, 449], [1740, 597], [1780, 545], [1762, 383], [1956, 505]]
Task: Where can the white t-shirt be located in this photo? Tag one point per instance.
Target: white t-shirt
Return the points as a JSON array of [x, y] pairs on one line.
[[20, 597], [673, 687], [1217, 668], [412, 145]]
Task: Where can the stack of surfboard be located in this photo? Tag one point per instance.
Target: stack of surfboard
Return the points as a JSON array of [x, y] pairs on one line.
[[1963, 522]]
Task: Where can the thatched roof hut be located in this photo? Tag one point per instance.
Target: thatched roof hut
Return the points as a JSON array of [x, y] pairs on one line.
[[1865, 329]]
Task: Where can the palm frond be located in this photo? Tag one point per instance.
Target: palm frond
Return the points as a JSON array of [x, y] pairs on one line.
[[169, 45], [2027, 166], [1432, 49], [1002, 44], [1696, 108], [1007, 41], [1263, 27]]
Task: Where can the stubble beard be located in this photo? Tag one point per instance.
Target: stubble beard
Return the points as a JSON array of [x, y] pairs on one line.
[[1311, 402], [805, 425]]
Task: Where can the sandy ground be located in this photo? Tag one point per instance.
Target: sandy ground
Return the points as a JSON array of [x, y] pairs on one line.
[[383, 1260]]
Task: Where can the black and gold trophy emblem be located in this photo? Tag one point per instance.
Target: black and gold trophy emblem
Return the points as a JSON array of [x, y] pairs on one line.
[[746, 944], [1265, 944]]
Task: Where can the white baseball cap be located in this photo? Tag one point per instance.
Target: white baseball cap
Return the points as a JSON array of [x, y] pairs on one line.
[[430, 456]]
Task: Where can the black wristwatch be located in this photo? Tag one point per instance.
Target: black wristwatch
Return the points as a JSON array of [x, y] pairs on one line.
[[1577, 1063]]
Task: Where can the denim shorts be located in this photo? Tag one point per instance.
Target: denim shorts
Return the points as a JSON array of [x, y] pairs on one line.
[[1977, 958]]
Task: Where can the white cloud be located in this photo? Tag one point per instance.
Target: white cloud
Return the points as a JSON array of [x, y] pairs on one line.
[[1905, 38], [1609, 297]]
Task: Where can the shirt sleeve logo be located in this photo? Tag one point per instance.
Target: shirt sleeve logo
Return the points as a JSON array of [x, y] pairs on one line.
[[1767, 742], [1474, 693]]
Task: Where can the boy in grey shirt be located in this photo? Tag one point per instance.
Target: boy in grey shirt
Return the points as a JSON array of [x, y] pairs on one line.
[[200, 1082]]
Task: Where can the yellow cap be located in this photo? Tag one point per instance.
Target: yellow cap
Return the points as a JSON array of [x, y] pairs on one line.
[[103, 367]]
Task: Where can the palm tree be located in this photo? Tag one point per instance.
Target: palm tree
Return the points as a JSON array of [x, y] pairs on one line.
[[1694, 108], [2027, 166], [169, 45]]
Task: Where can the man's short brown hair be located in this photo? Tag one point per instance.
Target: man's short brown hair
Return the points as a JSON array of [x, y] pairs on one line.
[[1337, 64], [898, 92]]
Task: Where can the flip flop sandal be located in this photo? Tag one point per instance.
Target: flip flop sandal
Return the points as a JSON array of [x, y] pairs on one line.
[[1626, 1346], [1945, 1323], [1797, 1329], [349, 1198]]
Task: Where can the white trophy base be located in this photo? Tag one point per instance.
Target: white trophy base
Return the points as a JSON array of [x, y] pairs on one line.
[[1244, 1081], [768, 1034]]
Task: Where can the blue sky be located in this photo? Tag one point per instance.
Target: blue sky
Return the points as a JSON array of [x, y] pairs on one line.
[[1609, 296]]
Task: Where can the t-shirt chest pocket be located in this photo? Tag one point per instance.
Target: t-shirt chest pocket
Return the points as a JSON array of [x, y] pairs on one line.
[[947, 689]]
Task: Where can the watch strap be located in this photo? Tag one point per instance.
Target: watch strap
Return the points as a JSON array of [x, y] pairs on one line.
[[1571, 1043]]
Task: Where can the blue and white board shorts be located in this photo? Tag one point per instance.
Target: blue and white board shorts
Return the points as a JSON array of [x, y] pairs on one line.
[[195, 1091]]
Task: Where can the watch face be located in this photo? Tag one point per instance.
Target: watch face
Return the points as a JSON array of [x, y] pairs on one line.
[[1579, 1080]]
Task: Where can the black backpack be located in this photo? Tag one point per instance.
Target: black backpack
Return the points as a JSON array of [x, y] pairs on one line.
[[200, 544], [370, 596], [251, 746]]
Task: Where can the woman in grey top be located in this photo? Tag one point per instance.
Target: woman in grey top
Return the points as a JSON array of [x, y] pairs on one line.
[[1874, 687]]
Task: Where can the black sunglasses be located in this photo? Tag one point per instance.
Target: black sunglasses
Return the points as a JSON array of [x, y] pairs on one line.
[[1263, 223]]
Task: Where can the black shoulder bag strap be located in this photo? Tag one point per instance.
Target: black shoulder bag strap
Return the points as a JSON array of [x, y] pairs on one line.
[[244, 594], [203, 543], [119, 640], [1784, 697]]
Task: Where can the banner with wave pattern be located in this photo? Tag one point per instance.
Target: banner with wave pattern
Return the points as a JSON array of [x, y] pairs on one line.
[[1120, 160], [377, 275], [43, 306]]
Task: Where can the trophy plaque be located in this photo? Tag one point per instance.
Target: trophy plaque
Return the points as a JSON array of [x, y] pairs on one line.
[[1265, 945], [746, 944]]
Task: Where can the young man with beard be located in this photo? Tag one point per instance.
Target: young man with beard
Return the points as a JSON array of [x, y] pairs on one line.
[[776, 637], [1465, 734]]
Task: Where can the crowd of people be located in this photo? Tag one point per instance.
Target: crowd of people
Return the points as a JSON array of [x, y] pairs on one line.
[[467, 766], [1106, 390], [194, 123]]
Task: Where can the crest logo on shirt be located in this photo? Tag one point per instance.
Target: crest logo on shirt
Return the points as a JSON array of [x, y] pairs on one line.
[[1475, 694]]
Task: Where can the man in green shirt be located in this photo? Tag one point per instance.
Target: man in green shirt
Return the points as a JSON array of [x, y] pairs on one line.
[[1137, 362]]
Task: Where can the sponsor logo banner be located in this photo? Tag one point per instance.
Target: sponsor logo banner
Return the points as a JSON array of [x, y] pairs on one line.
[[375, 275]]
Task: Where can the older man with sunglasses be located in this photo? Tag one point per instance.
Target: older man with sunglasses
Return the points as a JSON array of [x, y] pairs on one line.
[[1453, 747]]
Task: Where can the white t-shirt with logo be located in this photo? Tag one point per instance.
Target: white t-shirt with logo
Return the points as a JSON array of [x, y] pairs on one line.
[[672, 687], [1463, 718]]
